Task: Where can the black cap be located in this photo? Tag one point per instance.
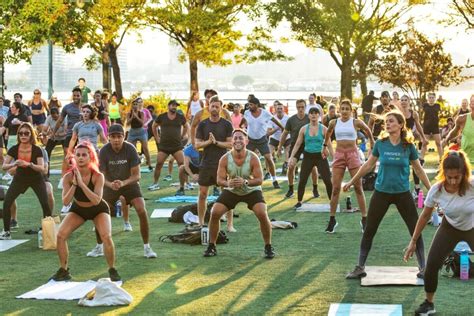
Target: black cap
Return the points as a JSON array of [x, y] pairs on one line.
[[385, 94], [116, 129], [254, 100], [173, 102]]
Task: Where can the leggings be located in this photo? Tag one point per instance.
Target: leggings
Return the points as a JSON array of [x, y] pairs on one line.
[[416, 180], [378, 207], [309, 161], [444, 242], [19, 186]]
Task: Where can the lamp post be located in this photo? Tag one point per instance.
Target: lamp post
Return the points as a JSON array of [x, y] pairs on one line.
[[2, 67], [50, 69]]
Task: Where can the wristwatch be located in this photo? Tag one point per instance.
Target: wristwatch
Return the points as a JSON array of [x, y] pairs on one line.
[[246, 182]]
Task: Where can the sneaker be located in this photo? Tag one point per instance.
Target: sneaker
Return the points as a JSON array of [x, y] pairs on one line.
[[61, 275], [297, 205], [357, 273], [331, 229], [269, 252], [149, 253], [421, 274], [150, 168], [113, 275], [14, 224], [180, 192], [189, 186], [231, 230], [5, 235], [216, 192], [7, 177], [97, 251], [289, 194], [65, 208], [363, 223], [276, 185], [60, 184], [154, 187], [267, 176], [211, 251], [316, 193], [127, 227], [426, 308], [168, 178]]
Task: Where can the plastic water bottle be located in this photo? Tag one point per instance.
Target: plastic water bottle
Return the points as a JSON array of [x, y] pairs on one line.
[[435, 218], [420, 199], [348, 203], [205, 235], [464, 262], [118, 209], [40, 239]]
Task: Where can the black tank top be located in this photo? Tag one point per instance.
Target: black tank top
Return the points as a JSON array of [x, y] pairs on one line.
[[410, 122], [100, 115], [79, 194], [431, 114], [38, 106], [134, 123], [461, 111]]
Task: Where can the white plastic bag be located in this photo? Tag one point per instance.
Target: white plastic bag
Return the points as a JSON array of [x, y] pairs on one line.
[[106, 293]]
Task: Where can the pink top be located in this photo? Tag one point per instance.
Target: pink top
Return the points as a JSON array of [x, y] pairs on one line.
[[146, 118], [236, 120]]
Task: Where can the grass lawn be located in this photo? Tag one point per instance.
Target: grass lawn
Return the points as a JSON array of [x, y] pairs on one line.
[[306, 276]]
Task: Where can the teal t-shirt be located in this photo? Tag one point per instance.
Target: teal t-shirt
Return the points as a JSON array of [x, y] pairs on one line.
[[394, 169]]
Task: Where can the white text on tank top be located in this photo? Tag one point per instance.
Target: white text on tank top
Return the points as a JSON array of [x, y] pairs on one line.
[[195, 107], [345, 130], [257, 126]]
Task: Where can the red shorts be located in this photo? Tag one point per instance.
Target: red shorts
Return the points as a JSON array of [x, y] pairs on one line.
[[346, 158]]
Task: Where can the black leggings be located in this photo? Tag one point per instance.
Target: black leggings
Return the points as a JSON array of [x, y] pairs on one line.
[[51, 144], [309, 161], [416, 180], [444, 242], [378, 207], [19, 186]]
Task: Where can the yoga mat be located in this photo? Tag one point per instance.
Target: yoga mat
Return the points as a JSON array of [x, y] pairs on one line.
[[55, 171], [8, 244], [377, 275], [63, 290], [184, 199], [161, 212], [145, 170], [316, 208], [279, 178], [339, 309]]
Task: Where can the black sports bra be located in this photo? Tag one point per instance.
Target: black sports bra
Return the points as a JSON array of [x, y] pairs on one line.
[[79, 194]]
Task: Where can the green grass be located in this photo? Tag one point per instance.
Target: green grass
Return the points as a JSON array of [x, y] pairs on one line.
[[306, 276]]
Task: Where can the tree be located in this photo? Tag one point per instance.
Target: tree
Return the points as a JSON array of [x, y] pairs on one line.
[[349, 30], [242, 80], [206, 31], [465, 10], [417, 65]]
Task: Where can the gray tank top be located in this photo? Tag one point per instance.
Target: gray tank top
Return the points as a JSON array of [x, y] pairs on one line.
[[242, 171]]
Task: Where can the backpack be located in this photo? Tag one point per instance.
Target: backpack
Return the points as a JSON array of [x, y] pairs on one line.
[[192, 236], [452, 264], [368, 181], [178, 213]]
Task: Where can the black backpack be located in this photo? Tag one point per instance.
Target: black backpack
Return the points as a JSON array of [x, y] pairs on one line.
[[452, 264], [368, 181], [178, 213], [192, 236]]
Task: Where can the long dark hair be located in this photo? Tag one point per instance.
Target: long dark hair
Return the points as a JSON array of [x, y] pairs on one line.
[[456, 160]]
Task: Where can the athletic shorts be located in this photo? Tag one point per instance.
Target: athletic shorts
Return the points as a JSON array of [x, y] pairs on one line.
[[346, 158], [230, 200], [89, 213], [39, 119], [259, 144], [275, 142], [431, 129], [299, 152], [129, 192], [116, 121], [137, 134], [207, 176], [170, 151]]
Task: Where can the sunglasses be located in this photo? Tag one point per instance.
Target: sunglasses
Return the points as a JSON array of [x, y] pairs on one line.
[[37, 92], [24, 133]]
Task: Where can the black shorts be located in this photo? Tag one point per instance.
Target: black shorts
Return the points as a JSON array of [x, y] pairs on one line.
[[207, 176], [260, 144], [275, 142], [431, 129], [89, 213], [230, 200], [193, 168], [299, 152], [129, 192], [170, 151], [39, 119]]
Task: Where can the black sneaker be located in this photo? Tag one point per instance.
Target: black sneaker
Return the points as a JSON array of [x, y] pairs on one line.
[[150, 168], [363, 223], [421, 274], [426, 308], [315, 193], [269, 252], [357, 273], [211, 251], [61, 275], [289, 194], [331, 229], [113, 275], [297, 205], [180, 192], [14, 224], [5, 235], [276, 185], [267, 176], [216, 192]]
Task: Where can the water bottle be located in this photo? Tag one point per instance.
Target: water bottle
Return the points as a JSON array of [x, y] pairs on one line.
[[420, 199], [40, 239], [348, 203], [118, 209], [435, 219], [205, 235], [464, 261]]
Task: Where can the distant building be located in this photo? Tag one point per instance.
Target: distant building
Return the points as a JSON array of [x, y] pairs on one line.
[[38, 73]]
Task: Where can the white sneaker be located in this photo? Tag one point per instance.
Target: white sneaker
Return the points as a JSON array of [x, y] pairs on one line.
[[231, 230], [60, 184], [7, 177], [154, 187], [66, 208], [189, 186], [127, 227], [98, 251], [5, 235], [149, 253]]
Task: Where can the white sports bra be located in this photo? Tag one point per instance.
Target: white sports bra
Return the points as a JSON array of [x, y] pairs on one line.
[[345, 130]]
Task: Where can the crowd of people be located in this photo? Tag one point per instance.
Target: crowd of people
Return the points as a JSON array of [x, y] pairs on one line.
[[218, 145]]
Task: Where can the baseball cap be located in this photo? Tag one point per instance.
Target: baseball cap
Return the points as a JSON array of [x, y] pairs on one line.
[[116, 129], [385, 94], [254, 100], [173, 102]]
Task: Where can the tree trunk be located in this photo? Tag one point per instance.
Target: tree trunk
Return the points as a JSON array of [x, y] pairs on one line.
[[346, 78], [116, 72], [106, 76], [193, 72], [363, 79]]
